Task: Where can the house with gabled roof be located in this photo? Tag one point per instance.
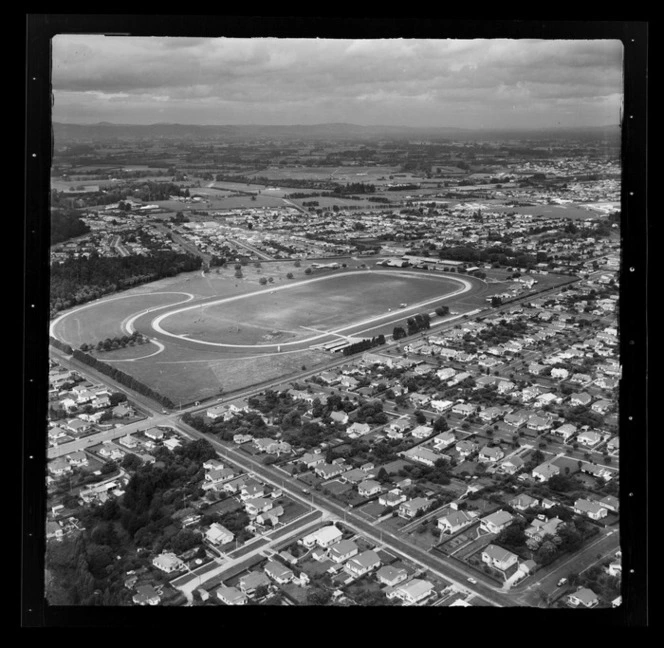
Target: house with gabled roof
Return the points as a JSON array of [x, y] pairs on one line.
[[523, 502], [465, 448], [252, 581], [497, 521], [411, 508], [392, 498], [581, 399], [342, 550], [545, 471], [146, 595], [422, 455], [454, 521], [511, 465], [566, 431], [231, 596], [498, 557], [362, 563], [328, 471], [358, 429], [584, 597], [589, 438], [278, 572], [443, 440], [593, 510], [412, 592], [391, 576], [369, 487], [490, 454]]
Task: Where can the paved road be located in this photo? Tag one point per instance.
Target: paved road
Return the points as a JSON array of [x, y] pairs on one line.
[[450, 572], [605, 545]]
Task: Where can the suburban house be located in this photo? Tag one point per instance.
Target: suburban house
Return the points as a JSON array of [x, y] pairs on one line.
[[445, 374], [278, 572], [391, 576], [441, 405], [422, 455], [251, 489], [490, 455], [392, 498], [538, 424], [401, 425], [414, 506], [443, 440], [270, 516], [565, 431], [252, 581], [583, 597], [545, 471], [368, 488], [610, 502], [490, 414], [422, 432], [146, 595], [511, 465], [517, 419], [362, 563], [258, 505], [323, 537], [414, 591], [454, 521], [342, 550], [167, 562], [218, 534], [312, 459], [542, 527], [354, 476], [466, 448], [497, 521], [419, 400], [128, 441], [358, 429], [594, 510], [506, 386], [78, 458], [328, 471], [231, 596], [216, 412], [155, 434], [523, 502], [464, 409], [339, 417], [498, 557], [582, 399], [589, 438]]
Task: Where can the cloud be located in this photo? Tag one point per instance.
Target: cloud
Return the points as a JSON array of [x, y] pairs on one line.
[[290, 79]]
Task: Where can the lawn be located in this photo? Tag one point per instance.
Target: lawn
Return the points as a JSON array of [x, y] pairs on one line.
[[304, 310]]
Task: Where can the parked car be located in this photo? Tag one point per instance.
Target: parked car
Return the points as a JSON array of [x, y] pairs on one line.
[[562, 582]]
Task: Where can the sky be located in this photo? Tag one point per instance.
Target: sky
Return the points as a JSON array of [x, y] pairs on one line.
[[481, 83]]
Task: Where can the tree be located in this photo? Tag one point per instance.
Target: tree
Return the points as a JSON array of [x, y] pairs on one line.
[[308, 271], [262, 281], [420, 417], [289, 275]]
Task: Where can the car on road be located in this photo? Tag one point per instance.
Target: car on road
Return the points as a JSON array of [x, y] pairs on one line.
[[472, 580], [305, 490]]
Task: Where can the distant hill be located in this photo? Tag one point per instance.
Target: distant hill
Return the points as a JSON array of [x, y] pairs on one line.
[[335, 131]]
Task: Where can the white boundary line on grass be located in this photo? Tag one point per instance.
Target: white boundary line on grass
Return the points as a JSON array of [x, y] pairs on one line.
[[156, 323]]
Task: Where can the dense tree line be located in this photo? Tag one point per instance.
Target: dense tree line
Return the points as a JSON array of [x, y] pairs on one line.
[[79, 280], [354, 188], [122, 378], [66, 224], [364, 345]]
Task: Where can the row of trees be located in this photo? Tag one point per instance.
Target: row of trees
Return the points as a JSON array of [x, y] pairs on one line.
[[364, 345], [121, 377], [118, 342]]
